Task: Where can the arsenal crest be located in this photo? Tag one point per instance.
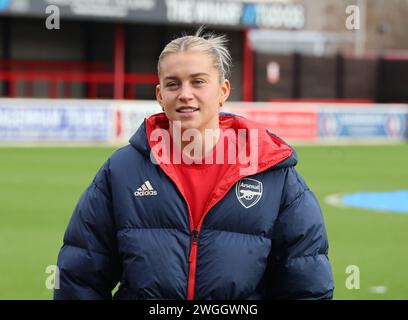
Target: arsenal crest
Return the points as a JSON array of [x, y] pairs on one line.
[[248, 191]]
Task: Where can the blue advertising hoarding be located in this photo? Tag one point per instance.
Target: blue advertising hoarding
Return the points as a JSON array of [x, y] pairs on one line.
[[363, 124], [59, 123]]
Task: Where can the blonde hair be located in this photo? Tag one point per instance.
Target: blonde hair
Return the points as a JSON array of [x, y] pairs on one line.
[[208, 43]]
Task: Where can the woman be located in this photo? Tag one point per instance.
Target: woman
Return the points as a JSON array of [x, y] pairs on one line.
[[183, 212]]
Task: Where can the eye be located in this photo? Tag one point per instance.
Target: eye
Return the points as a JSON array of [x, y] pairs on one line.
[[198, 82], [171, 84]]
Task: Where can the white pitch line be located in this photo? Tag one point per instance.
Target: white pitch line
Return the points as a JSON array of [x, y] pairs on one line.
[[379, 289], [335, 200]]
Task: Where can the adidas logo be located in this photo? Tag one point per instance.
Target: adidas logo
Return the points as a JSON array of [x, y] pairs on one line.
[[146, 189]]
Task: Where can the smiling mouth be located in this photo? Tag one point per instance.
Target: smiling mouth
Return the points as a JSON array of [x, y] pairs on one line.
[[187, 109]]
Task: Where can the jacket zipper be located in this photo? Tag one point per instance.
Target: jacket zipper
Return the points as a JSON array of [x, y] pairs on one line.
[[192, 260]]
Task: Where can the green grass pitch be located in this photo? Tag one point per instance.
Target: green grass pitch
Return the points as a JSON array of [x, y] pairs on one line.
[[39, 188]]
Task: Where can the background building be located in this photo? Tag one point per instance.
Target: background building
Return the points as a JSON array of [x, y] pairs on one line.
[[109, 49]]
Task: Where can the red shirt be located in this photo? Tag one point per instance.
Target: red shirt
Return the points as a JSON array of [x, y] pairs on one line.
[[199, 180]]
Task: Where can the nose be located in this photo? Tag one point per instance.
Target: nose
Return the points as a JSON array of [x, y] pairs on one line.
[[186, 93]]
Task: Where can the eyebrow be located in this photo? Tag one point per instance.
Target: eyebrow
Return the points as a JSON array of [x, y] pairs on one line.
[[191, 76]]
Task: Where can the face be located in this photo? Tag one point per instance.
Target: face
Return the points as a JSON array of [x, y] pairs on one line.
[[190, 90]]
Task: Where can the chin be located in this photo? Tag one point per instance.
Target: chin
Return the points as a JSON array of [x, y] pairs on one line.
[[189, 125], [186, 124]]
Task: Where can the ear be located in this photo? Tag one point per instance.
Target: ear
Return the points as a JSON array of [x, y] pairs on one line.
[[159, 97], [225, 91]]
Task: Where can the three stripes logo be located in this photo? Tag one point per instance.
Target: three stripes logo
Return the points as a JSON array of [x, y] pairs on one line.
[[146, 189]]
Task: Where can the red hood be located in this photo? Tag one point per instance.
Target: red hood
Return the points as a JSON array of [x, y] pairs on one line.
[[271, 149]]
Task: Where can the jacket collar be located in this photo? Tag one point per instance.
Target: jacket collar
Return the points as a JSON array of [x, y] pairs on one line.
[[270, 147]]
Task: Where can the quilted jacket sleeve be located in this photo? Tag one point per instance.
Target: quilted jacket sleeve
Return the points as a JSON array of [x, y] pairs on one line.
[[298, 265], [88, 260]]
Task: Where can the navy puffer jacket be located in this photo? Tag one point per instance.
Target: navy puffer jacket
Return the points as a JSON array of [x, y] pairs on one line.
[[263, 236]]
